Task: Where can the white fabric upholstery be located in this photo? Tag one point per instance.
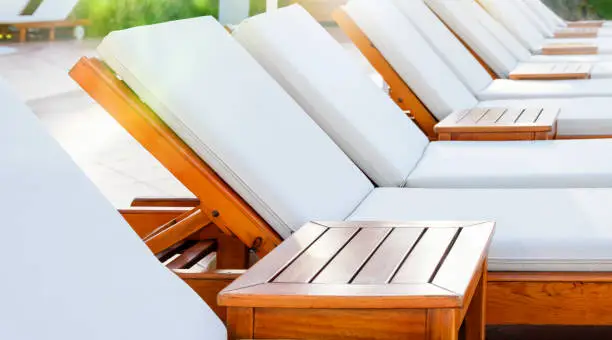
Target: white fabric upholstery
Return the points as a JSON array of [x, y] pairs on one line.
[[517, 23], [448, 47], [238, 119], [75, 269], [411, 56], [455, 13], [578, 116], [536, 229], [541, 11], [336, 92], [534, 19], [522, 89], [12, 7], [54, 9], [515, 164], [604, 45]]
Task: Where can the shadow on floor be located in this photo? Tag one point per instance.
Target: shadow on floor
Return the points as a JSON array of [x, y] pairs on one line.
[[548, 333]]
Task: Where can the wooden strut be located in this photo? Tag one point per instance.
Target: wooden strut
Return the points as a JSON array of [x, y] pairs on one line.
[[218, 202]]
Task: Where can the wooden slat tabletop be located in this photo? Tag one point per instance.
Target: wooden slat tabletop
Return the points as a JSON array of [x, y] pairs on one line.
[[495, 119], [367, 265]]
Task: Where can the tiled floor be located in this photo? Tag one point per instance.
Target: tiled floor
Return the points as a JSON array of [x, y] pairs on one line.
[[120, 167]]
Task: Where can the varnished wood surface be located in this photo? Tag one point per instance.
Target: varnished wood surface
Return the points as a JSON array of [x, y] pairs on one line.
[[551, 71], [180, 202], [145, 220], [218, 202], [578, 32], [570, 49], [400, 92], [585, 23], [208, 285], [499, 124]]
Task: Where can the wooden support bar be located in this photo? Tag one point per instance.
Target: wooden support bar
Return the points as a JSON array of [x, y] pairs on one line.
[[165, 202], [145, 220], [192, 255], [176, 231]]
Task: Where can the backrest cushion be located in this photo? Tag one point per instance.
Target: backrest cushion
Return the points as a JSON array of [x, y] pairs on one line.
[[535, 7], [411, 56], [533, 18], [511, 17], [448, 47], [55, 9], [11, 8], [75, 269], [499, 31], [457, 15], [224, 105], [550, 13], [336, 92]]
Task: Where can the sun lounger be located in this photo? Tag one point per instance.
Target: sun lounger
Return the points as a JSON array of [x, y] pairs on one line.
[[74, 269], [524, 32], [12, 7], [554, 21], [271, 153], [413, 69], [50, 15]]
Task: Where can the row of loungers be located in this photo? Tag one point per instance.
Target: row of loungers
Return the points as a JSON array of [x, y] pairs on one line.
[[272, 127], [49, 15]]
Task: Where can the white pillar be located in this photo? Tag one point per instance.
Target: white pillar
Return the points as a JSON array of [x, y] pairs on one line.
[[271, 5]]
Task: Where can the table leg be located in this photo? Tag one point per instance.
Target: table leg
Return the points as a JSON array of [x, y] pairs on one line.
[[23, 34], [475, 317], [240, 323], [442, 324], [52, 34]]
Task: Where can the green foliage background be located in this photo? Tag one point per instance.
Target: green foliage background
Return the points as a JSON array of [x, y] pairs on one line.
[[602, 7]]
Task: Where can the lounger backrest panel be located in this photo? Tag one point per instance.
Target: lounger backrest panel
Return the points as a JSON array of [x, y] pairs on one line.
[[499, 31], [536, 8], [224, 105], [336, 92], [540, 25], [457, 15], [448, 47], [55, 9], [77, 270], [515, 22], [10, 8], [550, 13], [411, 56]]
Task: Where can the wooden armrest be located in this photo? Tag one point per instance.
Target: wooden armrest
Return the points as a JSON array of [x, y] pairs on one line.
[[189, 202], [560, 71], [570, 49], [582, 32]]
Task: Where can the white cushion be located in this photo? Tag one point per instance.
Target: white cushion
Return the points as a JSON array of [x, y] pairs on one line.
[[578, 116], [411, 56], [517, 23], [238, 119], [534, 19], [336, 92], [456, 15], [536, 229], [540, 10], [524, 89], [589, 58], [448, 47], [74, 269], [55, 9], [12, 7], [515, 164]]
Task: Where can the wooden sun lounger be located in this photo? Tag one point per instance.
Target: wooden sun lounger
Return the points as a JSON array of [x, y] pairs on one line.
[[408, 101], [23, 27], [531, 298]]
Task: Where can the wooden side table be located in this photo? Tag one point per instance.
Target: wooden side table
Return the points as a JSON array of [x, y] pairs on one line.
[[366, 280], [552, 71], [570, 48], [499, 124], [577, 32]]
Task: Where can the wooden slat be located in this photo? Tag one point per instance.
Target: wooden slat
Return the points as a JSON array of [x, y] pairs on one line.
[[530, 115], [570, 49], [192, 255], [263, 271], [465, 258], [388, 257], [312, 261], [294, 295], [188, 202], [492, 116], [146, 220], [352, 257], [175, 232], [426, 255], [510, 116]]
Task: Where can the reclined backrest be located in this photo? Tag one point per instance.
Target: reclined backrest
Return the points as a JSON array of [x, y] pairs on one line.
[[336, 92], [457, 16], [536, 8], [55, 9], [448, 47], [12, 8], [224, 105], [411, 56], [548, 13], [75, 269], [540, 25], [499, 31], [511, 17]]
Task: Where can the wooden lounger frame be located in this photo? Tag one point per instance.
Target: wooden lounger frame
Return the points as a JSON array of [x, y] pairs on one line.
[[399, 91], [23, 27], [537, 298]]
